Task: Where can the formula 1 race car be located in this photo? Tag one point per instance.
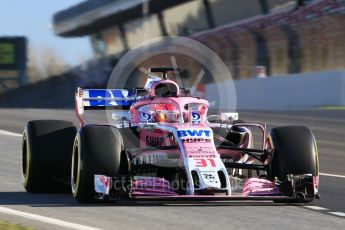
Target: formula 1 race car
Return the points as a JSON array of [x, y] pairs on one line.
[[163, 145]]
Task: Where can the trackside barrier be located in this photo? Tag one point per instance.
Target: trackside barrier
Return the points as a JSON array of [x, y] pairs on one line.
[[307, 90]]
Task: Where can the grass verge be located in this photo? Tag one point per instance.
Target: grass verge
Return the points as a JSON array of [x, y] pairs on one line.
[[5, 225], [332, 107]]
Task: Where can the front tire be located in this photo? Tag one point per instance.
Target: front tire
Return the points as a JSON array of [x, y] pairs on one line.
[[295, 153], [97, 150]]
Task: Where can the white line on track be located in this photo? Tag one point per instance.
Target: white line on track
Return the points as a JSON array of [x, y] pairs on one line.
[[316, 208], [36, 217], [44, 219], [83, 227], [342, 214], [332, 175], [7, 133]]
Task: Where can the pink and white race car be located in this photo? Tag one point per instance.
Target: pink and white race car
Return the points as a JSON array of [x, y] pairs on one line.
[[166, 146]]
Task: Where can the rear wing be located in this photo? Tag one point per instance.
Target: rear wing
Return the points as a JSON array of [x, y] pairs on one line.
[[101, 99]]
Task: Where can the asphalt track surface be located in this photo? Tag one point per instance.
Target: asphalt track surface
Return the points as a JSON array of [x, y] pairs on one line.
[[60, 211]]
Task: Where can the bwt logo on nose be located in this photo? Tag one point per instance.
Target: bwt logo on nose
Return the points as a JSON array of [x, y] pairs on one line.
[[193, 133]]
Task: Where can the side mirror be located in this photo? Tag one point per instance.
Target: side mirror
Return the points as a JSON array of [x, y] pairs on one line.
[[229, 116]]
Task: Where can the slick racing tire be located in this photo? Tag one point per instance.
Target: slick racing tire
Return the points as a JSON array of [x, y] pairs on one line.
[[46, 155], [295, 152], [97, 150]]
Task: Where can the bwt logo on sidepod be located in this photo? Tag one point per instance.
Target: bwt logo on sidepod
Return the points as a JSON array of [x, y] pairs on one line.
[[195, 135]]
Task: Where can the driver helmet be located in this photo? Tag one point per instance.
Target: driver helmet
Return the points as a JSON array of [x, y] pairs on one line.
[[166, 113]]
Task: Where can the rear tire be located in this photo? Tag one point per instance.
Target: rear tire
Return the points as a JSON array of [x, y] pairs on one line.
[[97, 150], [46, 151], [295, 152]]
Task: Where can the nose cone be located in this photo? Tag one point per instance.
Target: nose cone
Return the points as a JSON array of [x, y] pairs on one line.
[[209, 180]]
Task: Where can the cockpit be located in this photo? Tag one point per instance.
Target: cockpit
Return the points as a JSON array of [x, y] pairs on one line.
[[167, 102], [172, 112]]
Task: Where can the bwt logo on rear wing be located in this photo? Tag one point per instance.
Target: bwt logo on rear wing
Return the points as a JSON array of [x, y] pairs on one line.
[[93, 99], [101, 99]]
